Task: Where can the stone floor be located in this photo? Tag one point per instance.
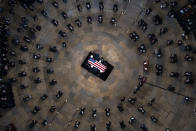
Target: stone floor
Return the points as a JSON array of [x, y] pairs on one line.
[[83, 89]]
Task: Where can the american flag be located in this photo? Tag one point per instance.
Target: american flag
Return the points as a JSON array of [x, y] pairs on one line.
[[97, 64]]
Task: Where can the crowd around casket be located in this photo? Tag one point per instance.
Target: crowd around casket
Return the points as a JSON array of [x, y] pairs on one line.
[[6, 94]]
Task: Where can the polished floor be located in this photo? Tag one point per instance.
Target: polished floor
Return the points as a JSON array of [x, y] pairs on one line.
[[81, 88]]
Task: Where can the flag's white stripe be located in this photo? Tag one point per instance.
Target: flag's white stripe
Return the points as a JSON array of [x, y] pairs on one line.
[[97, 65], [101, 64], [100, 68]]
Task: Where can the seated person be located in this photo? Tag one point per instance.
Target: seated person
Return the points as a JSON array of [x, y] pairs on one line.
[[77, 124], [113, 21], [44, 122], [93, 127], [78, 23], [55, 4], [115, 8], [122, 124], [79, 7], [88, 5], [101, 6], [89, 20]]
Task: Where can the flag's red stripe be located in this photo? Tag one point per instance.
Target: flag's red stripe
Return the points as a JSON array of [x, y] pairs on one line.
[[101, 64], [98, 65]]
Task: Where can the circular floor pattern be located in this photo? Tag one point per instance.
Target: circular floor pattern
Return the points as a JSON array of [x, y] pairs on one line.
[[82, 89]]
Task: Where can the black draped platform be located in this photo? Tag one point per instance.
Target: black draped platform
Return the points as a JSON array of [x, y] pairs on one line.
[[103, 75]]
